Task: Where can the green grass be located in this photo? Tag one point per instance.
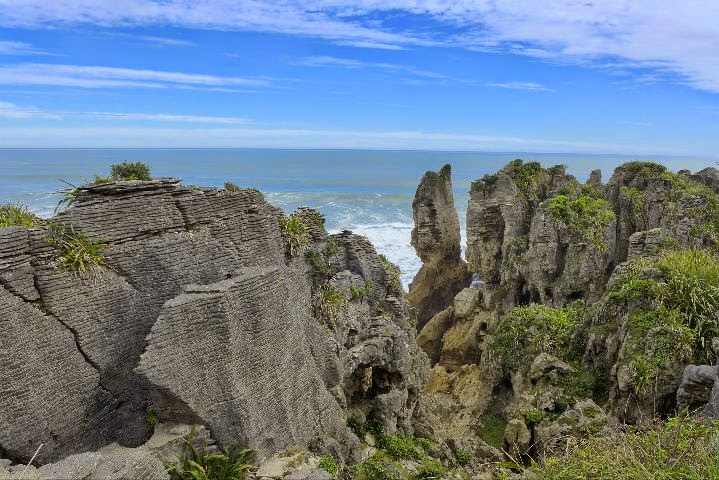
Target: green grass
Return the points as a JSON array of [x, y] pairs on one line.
[[586, 217], [492, 430], [295, 233], [328, 464], [76, 252], [130, 171], [201, 464], [359, 293], [18, 216], [527, 331], [681, 448]]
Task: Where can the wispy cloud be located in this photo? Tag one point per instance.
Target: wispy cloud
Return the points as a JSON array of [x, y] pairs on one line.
[[370, 44], [675, 37], [297, 138], [329, 61], [529, 86], [19, 48], [110, 77], [15, 112], [154, 40]]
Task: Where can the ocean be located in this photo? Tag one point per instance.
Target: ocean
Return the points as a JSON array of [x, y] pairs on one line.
[[367, 191]]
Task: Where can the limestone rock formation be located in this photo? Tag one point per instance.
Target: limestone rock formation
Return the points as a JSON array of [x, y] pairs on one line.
[[575, 303], [436, 239], [199, 315]]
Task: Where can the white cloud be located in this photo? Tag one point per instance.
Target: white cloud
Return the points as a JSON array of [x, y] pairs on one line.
[[137, 137], [529, 86], [19, 48], [677, 37], [163, 117], [110, 77], [14, 112], [329, 61], [158, 41]]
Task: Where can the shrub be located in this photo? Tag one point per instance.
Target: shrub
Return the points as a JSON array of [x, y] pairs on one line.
[[99, 179], [359, 293], [18, 216], [231, 187], [201, 464], [329, 302], [526, 177], [586, 217], [463, 457], [328, 464], [393, 272], [319, 262], [680, 448], [525, 332], [77, 252], [532, 416], [130, 171], [295, 233]]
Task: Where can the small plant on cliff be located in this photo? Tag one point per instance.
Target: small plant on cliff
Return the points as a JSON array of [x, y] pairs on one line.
[[295, 233], [18, 216], [328, 464], [130, 171], [392, 271], [329, 302], [232, 187], [77, 252], [525, 332], [681, 448], [526, 177], [359, 293], [586, 217], [202, 464], [100, 179]]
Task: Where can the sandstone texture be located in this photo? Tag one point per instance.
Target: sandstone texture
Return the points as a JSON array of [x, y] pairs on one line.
[[198, 316], [436, 239]]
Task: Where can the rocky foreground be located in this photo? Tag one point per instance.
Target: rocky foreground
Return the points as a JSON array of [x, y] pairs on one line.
[[210, 318]]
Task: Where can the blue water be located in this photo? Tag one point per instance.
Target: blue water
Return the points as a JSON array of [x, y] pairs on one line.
[[368, 192]]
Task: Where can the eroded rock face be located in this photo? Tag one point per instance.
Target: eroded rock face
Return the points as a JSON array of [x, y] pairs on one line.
[[436, 239], [202, 317]]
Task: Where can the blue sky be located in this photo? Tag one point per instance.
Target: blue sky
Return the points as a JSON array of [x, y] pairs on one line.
[[638, 77]]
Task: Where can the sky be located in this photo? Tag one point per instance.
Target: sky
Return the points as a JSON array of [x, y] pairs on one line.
[[610, 76]]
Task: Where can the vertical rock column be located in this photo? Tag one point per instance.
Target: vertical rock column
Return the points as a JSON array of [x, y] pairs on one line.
[[436, 239]]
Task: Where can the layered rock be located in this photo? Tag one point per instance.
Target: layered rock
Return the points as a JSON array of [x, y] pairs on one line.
[[200, 316], [436, 239]]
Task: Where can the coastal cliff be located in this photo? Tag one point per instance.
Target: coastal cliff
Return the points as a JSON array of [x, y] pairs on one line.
[[207, 307]]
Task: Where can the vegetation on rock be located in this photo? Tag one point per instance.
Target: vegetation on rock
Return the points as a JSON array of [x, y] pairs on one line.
[[206, 464], [586, 216], [527, 331], [130, 171], [329, 302], [295, 233], [18, 216], [77, 252], [680, 448], [393, 271]]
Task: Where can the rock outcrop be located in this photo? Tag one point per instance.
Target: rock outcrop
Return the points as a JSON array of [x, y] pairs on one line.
[[574, 304], [198, 313], [436, 239]]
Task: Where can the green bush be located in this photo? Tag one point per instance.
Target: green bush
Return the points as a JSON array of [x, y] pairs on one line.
[[77, 252], [586, 217], [526, 177], [329, 302], [202, 464], [130, 171], [328, 464], [532, 416], [295, 233], [527, 331], [359, 293], [18, 216], [681, 448]]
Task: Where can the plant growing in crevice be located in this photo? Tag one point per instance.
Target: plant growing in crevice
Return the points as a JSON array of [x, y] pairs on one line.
[[295, 233], [232, 187], [636, 199], [328, 464], [203, 464], [130, 171], [586, 217], [76, 252], [320, 262], [359, 293], [329, 301], [18, 216], [393, 272]]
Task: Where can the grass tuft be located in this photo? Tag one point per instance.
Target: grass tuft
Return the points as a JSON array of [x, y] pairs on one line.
[[77, 252], [295, 233], [201, 464], [18, 216]]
